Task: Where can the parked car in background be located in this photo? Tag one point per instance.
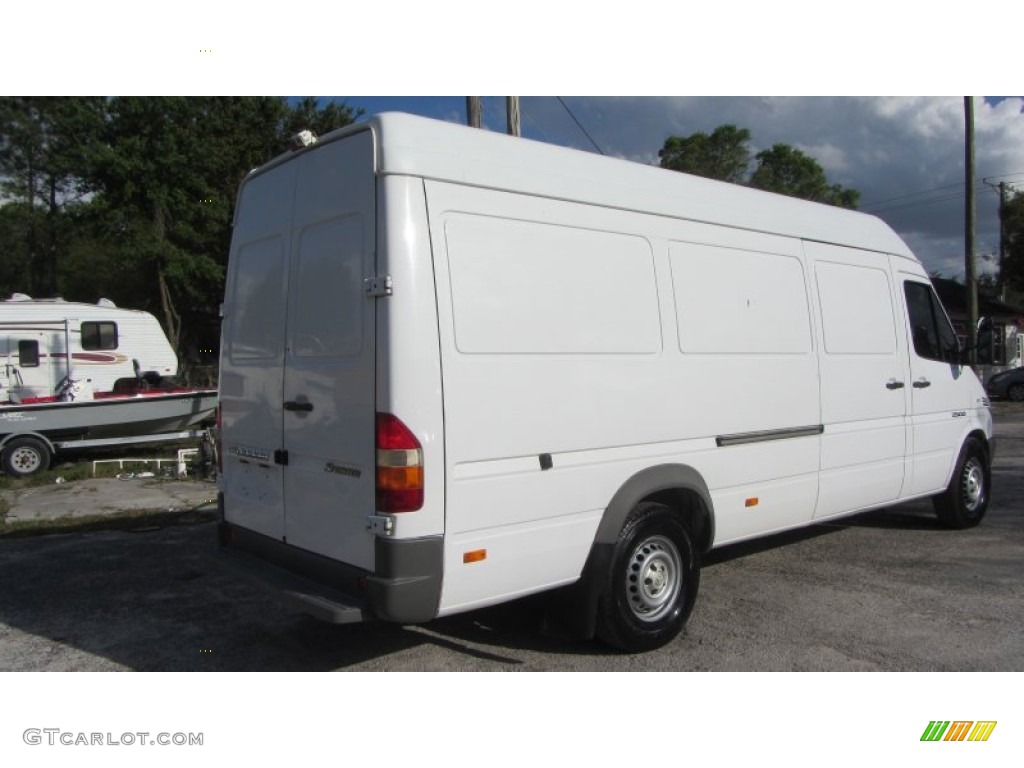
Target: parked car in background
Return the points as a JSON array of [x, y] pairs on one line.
[[1009, 384]]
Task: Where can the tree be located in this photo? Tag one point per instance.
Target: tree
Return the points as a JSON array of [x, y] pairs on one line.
[[309, 114], [722, 155], [46, 150], [168, 178], [1013, 224], [788, 171]]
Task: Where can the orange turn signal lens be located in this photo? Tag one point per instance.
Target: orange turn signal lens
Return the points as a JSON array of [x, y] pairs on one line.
[[475, 556]]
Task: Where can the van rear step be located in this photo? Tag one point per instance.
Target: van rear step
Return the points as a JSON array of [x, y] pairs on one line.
[[322, 602]]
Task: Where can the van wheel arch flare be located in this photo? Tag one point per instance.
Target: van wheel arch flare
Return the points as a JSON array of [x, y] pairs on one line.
[[673, 485]]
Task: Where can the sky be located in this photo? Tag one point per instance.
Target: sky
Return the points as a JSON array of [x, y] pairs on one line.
[[904, 154], [793, 71]]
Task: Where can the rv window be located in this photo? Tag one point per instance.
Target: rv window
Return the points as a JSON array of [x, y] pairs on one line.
[[28, 354], [99, 335], [934, 338]]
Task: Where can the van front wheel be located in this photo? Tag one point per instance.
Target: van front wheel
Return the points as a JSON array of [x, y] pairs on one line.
[[652, 583], [965, 502]]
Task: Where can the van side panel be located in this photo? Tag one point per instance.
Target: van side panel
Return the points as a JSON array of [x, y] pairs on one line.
[[563, 329], [408, 353]]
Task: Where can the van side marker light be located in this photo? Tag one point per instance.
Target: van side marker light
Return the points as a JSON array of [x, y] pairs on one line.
[[751, 502], [475, 556]]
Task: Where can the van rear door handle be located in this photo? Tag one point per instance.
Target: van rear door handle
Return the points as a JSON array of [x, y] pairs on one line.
[[294, 405], [922, 383], [893, 384]]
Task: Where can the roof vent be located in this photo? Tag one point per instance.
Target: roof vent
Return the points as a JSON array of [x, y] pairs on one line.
[[106, 303], [303, 139]]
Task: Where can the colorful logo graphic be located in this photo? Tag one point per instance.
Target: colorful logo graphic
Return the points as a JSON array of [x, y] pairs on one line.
[[958, 730]]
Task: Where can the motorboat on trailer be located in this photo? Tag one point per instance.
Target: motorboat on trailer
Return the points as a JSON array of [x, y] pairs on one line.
[[67, 381]]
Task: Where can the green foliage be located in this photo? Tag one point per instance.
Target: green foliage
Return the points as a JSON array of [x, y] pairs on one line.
[[788, 171], [723, 154], [46, 150], [1013, 270], [131, 198], [307, 114]]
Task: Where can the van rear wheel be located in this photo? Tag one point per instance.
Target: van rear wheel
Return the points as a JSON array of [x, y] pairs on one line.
[[652, 583], [964, 503]]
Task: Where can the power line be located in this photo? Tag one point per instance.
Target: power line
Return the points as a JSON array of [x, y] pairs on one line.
[[578, 123], [875, 203]]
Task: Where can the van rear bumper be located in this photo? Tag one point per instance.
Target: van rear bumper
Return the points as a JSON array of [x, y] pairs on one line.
[[405, 587]]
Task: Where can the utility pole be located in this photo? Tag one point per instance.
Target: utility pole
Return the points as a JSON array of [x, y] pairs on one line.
[[474, 112], [1002, 240], [512, 115], [969, 276]]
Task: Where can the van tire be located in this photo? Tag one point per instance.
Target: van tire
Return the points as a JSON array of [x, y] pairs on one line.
[[651, 585], [964, 503], [24, 456]]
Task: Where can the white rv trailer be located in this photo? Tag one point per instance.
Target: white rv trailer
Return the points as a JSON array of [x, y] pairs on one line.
[[36, 334], [459, 368]]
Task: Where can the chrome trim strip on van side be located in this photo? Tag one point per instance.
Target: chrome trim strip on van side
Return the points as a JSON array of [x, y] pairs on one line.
[[741, 438]]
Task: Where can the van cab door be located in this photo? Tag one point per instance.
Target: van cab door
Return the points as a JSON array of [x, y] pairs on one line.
[[939, 386]]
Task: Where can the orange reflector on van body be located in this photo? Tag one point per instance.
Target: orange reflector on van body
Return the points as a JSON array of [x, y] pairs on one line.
[[475, 556], [753, 501]]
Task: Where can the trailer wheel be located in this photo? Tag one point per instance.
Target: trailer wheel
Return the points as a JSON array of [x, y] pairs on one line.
[[25, 456], [964, 503], [652, 582]]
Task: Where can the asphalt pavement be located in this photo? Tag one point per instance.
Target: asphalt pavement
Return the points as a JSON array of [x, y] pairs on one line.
[[102, 496]]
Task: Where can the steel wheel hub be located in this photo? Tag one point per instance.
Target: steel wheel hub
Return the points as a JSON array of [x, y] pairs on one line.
[[653, 578], [974, 485]]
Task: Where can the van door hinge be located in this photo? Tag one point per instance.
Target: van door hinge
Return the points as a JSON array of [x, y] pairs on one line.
[[378, 287], [380, 525]]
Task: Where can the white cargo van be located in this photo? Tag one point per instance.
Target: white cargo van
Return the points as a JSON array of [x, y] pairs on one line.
[[459, 368]]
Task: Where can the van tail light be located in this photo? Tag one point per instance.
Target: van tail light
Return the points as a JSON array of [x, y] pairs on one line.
[[399, 466], [218, 431]]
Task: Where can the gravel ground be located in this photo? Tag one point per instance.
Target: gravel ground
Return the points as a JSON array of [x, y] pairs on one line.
[[888, 590]]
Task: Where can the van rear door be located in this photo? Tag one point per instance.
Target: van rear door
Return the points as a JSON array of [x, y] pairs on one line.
[[329, 377], [298, 373]]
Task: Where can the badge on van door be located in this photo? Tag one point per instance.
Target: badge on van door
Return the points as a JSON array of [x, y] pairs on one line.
[[339, 470]]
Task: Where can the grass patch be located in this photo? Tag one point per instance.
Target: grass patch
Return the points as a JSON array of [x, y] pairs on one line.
[[137, 520]]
